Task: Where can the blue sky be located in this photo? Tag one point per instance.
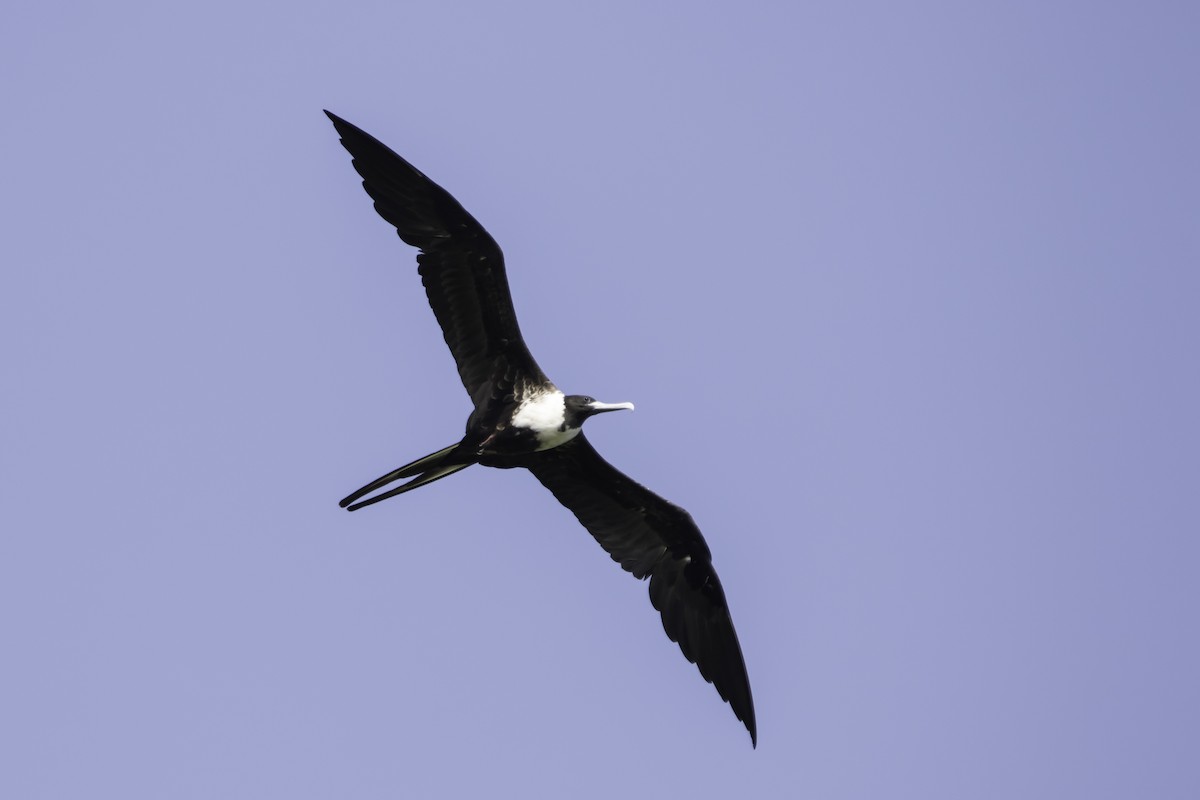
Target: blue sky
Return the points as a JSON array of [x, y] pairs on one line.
[[906, 298]]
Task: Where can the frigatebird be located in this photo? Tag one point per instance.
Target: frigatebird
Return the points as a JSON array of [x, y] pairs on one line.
[[521, 419]]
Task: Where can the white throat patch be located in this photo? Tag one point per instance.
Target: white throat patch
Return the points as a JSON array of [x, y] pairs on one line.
[[544, 415]]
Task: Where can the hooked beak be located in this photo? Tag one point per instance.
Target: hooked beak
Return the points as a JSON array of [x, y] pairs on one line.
[[597, 407]]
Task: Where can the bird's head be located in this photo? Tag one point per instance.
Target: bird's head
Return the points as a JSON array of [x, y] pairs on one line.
[[579, 407]]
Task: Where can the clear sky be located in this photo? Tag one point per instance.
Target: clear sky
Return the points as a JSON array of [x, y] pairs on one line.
[[907, 298]]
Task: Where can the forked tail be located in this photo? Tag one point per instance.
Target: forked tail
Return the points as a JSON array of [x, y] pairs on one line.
[[428, 469]]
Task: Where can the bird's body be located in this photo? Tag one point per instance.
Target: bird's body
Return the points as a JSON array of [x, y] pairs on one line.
[[521, 419]]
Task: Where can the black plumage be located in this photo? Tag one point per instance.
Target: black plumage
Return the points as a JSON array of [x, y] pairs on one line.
[[520, 419]]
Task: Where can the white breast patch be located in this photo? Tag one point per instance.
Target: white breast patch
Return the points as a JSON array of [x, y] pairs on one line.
[[544, 416]]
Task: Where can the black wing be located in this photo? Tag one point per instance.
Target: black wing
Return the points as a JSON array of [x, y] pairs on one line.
[[649, 536], [460, 264]]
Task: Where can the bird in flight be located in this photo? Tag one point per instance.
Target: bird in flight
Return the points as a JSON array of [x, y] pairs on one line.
[[521, 419]]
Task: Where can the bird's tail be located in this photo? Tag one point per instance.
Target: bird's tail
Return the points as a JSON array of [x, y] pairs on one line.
[[428, 469]]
